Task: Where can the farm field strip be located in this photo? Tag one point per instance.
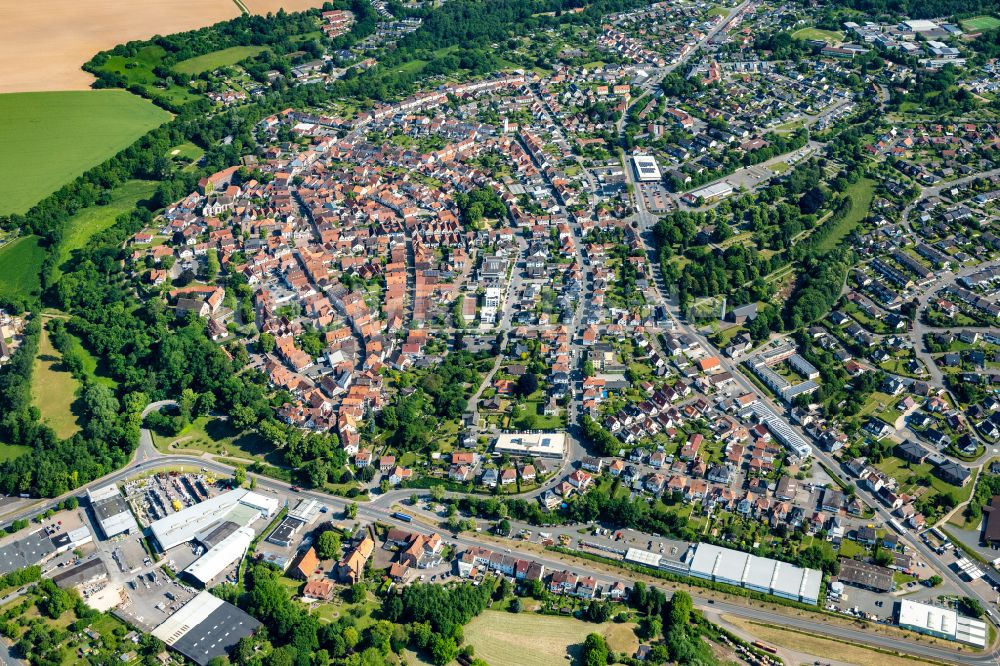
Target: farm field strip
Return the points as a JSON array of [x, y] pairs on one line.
[[50, 138]]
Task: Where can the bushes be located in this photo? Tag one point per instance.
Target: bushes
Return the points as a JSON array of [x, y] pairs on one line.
[[822, 279]]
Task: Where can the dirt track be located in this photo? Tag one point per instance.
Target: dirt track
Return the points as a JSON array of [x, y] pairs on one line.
[[43, 43]]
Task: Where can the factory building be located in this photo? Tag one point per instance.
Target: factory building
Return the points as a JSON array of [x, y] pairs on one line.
[[113, 514]]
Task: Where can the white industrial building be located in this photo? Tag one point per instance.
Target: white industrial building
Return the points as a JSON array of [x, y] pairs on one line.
[[760, 574], [921, 25], [538, 444], [240, 507], [220, 556], [711, 192], [643, 557], [942, 623], [645, 168], [111, 511]]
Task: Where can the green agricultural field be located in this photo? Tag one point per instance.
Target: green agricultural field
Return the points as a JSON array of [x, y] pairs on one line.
[[819, 35], [53, 390], [49, 138], [216, 59], [980, 23], [93, 220], [496, 635], [20, 267]]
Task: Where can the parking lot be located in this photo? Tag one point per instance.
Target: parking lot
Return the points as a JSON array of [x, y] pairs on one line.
[[656, 197], [151, 598]]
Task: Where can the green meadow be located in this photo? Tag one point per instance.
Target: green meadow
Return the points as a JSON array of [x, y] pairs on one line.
[[216, 59]]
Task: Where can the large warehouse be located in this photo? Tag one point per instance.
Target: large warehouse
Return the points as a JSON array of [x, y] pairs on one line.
[[537, 444], [232, 547], [240, 507], [760, 574], [941, 622], [645, 168], [205, 627], [111, 511]]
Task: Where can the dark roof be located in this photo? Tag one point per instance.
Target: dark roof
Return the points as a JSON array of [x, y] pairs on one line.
[[285, 530], [109, 507], [32, 549], [952, 470], [992, 531], [912, 450], [216, 635], [218, 534], [864, 574], [89, 570]]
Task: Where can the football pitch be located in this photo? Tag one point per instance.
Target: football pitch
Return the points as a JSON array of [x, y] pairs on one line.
[[980, 23]]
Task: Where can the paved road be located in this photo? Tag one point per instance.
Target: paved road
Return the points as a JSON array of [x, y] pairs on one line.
[[381, 508]]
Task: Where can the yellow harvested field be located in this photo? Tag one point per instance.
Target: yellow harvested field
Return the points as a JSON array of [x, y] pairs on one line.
[[265, 6], [42, 46]]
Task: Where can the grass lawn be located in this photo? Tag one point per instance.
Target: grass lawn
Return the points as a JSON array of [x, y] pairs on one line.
[[862, 193], [779, 167], [49, 138], [980, 23], [216, 59], [185, 152], [217, 437], [497, 635], [91, 221], [53, 389], [817, 34], [20, 266], [849, 549], [913, 479], [11, 451]]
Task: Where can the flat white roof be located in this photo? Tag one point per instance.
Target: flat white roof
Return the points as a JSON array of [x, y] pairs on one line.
[[643, 557], [111, 510], [306, 510], [714, 190], [921, 25], [103, 493], [645, 167], [927, 617], [545, 444], [224, 553], [184, 525], [970, 631], [761, 573]]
